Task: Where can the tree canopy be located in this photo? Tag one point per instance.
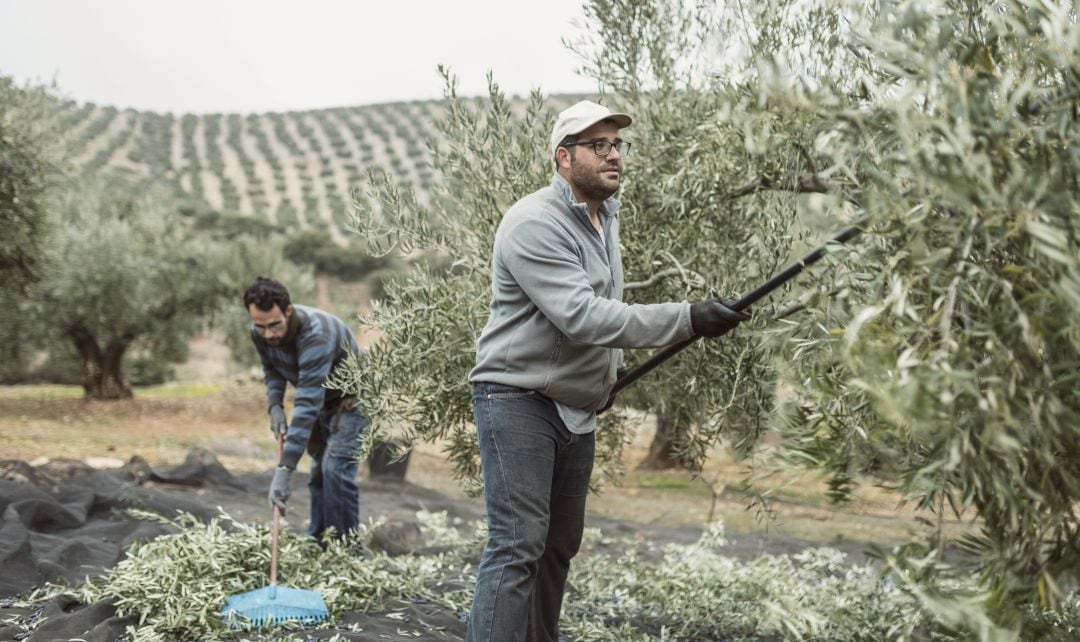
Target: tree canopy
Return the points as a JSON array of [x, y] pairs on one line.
[[937, 355], [123, 273], [945, 362], [30, 153]]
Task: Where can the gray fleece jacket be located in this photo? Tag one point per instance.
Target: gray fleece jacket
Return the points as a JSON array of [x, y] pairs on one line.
[[557, 320]]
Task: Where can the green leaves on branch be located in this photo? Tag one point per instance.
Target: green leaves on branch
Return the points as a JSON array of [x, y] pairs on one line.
[[413, 381], [177, 584], [936, 356], [30, 157], [946, 364]]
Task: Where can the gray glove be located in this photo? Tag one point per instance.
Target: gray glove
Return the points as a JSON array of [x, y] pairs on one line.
[[281, 488], [279, 425], [715, 317]]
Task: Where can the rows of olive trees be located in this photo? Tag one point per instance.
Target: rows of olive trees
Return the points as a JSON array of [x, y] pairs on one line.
[[295, 169], [113, 257], [102, 275]]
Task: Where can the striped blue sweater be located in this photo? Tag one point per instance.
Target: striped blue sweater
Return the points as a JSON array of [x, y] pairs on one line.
[[321, 343]]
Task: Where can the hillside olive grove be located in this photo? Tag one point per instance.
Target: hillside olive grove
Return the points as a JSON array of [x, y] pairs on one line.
[[274, 187]]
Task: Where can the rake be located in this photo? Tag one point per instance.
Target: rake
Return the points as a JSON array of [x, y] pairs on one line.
[[273, 604]]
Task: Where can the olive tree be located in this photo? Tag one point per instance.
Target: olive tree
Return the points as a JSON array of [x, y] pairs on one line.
[[123, 272], [30, 154], [945, 362], [937, 355], [687, 234]]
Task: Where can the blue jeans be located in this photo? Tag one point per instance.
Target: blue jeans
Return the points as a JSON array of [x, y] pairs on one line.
[[334, 444], [536, 479]]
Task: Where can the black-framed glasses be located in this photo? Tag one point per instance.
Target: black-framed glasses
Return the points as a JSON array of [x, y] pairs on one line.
[[603, 147], [273, 326]]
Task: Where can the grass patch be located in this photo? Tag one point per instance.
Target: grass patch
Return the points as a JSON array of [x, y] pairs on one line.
[[669, 481], [41, 392], [181, 390], [53, 392]]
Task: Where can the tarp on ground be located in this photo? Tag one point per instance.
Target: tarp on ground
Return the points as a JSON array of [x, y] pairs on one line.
[[64, 521]]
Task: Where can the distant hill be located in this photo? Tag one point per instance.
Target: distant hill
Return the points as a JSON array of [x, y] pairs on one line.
[[288, 169]]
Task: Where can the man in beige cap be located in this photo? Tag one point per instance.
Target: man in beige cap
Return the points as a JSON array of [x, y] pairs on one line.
[[546, 362]]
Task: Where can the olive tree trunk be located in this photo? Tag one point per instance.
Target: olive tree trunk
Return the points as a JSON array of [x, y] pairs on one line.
[[102, 376], [662, 453]]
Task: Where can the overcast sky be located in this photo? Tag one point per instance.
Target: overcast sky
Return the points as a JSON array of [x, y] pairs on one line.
[[276, 55]]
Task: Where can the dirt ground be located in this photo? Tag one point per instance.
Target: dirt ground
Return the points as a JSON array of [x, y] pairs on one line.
[[162, 424]]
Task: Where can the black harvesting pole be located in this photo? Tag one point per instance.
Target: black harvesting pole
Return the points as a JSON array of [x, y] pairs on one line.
[[753, 297]]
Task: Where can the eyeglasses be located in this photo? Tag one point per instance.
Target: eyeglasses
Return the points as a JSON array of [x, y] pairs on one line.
[[603, 147], [269, 327]]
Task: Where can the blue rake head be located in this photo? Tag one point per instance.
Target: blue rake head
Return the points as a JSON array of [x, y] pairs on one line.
[[273, 605]]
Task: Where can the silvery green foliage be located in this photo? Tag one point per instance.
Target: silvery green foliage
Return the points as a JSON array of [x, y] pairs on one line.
[[30, 156], [942, 356], [125, 274], [413, 382], [697, 592], [625, 589], [176, 585]]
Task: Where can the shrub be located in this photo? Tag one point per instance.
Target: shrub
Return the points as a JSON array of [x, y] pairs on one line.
[[317, 248]]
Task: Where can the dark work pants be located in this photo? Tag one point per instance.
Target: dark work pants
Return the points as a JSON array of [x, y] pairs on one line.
[[335, 497], [536, 479]]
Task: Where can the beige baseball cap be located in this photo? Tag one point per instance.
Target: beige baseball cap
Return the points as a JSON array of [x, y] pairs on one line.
[[581, 116]]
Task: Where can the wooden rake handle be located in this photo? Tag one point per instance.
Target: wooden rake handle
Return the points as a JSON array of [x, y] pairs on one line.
[[275, 529]]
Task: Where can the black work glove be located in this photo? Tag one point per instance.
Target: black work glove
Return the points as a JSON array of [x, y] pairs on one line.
[[278, 424], [619, 374], [281, 488], [715, 317]]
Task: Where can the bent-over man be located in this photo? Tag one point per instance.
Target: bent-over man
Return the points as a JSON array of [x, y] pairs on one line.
[[302, 345]]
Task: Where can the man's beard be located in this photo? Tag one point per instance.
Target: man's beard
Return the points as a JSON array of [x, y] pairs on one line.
[[591, 183]]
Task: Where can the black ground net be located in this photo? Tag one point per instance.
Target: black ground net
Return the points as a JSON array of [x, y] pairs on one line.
[[64, 521]]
